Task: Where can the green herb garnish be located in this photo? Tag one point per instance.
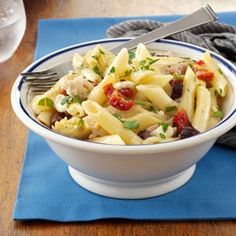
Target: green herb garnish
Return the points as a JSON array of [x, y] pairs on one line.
[[165, 126], [151, 61], [95, 57], [131, 55], [112, 70], [170, 108], [142, 63], [80, 123], [118, 116], [131, 124], [66, 100], [163, 136], [96, 70], [46, 102], [145, 64], [128, 72], [217, 114], [152, 109], [101, 51], [139, 102], [77, 99], [220, 71]]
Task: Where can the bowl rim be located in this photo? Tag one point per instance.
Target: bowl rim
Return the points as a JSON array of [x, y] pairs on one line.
[[211, 134]]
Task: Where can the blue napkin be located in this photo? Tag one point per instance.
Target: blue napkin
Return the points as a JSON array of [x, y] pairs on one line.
[[46, 190]]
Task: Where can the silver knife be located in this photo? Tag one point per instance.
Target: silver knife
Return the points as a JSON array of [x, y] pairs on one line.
[[202, 16]]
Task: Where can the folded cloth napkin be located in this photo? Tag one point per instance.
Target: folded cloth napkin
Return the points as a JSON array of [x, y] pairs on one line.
[[215, 36]]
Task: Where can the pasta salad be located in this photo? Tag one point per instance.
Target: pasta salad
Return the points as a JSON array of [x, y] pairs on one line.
[[134, 97]]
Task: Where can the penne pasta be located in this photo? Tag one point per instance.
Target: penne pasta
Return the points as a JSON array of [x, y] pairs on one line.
[[109, 123], [203, 107], [109, 139], [187, 101], [219, 82], [134, 97], [118, 67], [157, 96], [145, 120], [215, 113]]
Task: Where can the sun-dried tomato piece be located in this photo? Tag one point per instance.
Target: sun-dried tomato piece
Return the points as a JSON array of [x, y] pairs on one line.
[[180, 120], [201, 63], [120, 103], [108, 89], [127, 92], [207, 76], [63, 92]]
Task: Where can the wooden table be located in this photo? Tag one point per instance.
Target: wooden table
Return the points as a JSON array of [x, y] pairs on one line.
[[13, 133]]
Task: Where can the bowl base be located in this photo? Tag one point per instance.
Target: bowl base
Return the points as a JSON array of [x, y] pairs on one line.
[[131, 190]]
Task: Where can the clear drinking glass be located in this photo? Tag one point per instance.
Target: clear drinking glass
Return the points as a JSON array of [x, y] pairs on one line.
[[12, 27]]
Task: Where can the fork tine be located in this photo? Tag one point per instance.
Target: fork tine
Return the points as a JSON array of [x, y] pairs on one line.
[[42, 80], [48, 71], [36, 74]]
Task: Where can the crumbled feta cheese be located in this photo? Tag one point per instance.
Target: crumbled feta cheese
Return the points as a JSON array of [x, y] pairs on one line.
[[158, 131], [161, 113], [170, 132], [91, 76], [58, 103], [78, 86], [124, 84]]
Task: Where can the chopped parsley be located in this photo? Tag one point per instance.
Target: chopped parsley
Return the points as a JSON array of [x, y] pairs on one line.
[[131, 124], [217, 114], [118, 116], [220, 71], [112, 70], [77, 99], [46, 102], [162, 136], [66, 100], [128, 124], [142, 63], [80, 123], [131, 55], [151, 61], [127, 72], [95, 57], [152, 109], [170, 108], [101, 51], [139, 102], [165, 126], [145, 64], [96, 70]]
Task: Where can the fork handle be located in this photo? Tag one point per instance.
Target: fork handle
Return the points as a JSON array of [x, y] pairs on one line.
[[202, 16]]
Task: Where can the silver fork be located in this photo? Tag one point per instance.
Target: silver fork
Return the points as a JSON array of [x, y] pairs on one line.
[[41, 81]]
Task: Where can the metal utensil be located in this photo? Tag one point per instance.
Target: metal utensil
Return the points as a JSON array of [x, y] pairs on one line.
[[41, 81]]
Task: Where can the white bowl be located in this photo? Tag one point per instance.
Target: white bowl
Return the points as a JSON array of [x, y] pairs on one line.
[[131, 171]]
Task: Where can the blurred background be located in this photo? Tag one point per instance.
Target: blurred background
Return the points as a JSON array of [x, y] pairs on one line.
[[90, 8]]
